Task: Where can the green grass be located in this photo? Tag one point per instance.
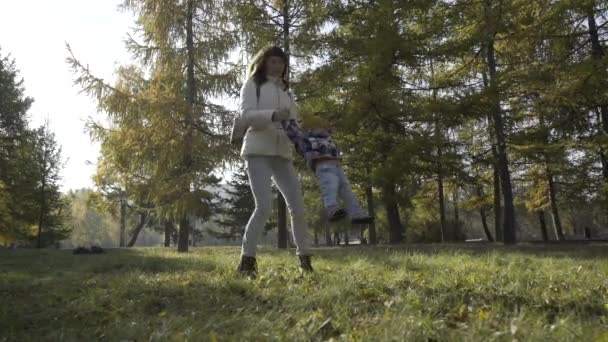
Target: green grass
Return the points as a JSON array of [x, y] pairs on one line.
[[409, 293]]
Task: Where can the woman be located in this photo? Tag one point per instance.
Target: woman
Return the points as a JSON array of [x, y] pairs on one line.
[[267, 151]]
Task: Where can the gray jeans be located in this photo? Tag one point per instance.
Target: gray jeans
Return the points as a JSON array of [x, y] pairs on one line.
[[261, 169], [333, 181]]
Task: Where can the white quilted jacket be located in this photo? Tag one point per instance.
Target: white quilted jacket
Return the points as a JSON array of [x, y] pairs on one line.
[[264, 137]]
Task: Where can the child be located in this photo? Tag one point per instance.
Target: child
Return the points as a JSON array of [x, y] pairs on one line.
[[322, 156]]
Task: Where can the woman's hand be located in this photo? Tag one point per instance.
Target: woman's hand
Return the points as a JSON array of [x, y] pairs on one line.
[[280, 115]]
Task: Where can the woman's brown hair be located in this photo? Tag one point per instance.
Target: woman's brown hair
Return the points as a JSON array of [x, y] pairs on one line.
[[257, 68]]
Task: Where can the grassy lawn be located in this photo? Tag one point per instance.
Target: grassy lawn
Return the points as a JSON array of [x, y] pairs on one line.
[[408, 293]]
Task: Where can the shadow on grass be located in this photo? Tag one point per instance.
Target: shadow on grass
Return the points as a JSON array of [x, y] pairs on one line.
[[152, 264], [574, 251], [97, 295], [35, 262]]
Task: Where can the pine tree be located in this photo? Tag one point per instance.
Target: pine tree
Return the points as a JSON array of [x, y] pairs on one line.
[[235, 207], [52, 208], [14, 187], [168, 136], [357, 65], [31, 205]]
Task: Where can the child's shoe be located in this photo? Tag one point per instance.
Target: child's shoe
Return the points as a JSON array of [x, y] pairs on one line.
[[336, 214]]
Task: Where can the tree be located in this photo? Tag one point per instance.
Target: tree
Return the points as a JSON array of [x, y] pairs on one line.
[[161, 111], [52, 206], [14, 188], [235, 207], [110, 196], [13, 107], [600, 74], [490, 30], [31, 206], [360, 78]]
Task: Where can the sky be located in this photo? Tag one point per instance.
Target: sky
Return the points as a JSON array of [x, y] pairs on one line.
[[34, 33]]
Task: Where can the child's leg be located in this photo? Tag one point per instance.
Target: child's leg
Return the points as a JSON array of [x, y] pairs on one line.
[[350, 201], [329, 182]]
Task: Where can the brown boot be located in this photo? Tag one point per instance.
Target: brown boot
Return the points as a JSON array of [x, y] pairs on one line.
[[248, 267], [305, 264]]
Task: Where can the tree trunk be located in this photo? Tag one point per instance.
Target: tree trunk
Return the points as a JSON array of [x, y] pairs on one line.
[[123, 217], [168, 229], [140, 226], [509, 235], [281, 221], [445, 234], [40, 222], [282, 206], [184, 225], [557, 224], [484, 221], [602, 117], [456, 230], [597, 51], [337, 238], [543, 225], [41, 214], [183, 235], [174, 235], [286, 37], [362, 238], [325, 222], [346, 237], [369, 193], [392, 214], [442, 219], [498, 231], [604, 162]]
